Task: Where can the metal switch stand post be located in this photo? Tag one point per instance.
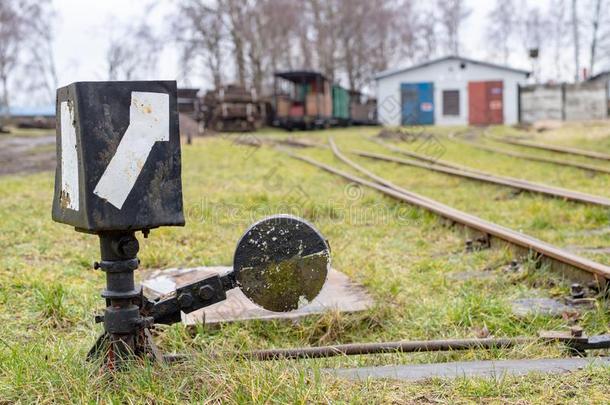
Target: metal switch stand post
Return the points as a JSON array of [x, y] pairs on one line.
[[126, 331]]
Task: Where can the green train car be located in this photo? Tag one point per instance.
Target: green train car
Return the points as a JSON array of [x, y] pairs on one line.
[[341, 113]]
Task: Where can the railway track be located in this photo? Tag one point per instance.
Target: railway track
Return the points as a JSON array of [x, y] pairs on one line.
[[555, 148], [512, 182], [423, 158], [583, 166], [572, 266]]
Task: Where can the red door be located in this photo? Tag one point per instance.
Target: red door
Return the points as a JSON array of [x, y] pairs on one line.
[[477, 101], [495, 94], [485, 104]]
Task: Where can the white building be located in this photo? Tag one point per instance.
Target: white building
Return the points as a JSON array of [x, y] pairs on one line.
[[449, 91]]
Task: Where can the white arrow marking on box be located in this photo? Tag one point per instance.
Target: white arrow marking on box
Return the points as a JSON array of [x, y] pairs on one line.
[[69, 197], [148, 123]]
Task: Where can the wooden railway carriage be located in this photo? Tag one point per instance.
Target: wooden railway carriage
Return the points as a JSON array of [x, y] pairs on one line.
[[302, 99], [307, 100]]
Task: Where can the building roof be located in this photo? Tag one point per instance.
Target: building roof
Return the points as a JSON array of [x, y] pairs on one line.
[[300, 75], [600, 76], [392, 72]]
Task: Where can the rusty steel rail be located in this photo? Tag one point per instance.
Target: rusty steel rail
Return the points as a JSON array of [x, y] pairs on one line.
[[520, 184], [577, 267], [386, 347], [423, 158], [554, 148], [583, 166]]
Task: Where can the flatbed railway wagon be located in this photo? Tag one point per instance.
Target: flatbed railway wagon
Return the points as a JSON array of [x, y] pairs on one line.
[[307, 100]]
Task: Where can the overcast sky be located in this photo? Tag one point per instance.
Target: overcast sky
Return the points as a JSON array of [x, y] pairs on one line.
[[83, 27]]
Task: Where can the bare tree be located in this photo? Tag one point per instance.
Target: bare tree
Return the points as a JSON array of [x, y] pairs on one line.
[[40, 66], [200, 33], [501, 28], [282, 18], [597, 9], [11, 36], [274, 35], [452, 13], [303, 31], [325, 28], [26, 45], [559, 30], [425, 36], [349, 39], [236, 10], [604, 39], [133, 53], [254, 35], [576, 40], [534, 27], [351, 34]]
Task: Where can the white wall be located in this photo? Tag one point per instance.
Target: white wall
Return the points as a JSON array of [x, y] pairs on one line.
[[447, 75], [586, 101], [541, 103], [582, 101]]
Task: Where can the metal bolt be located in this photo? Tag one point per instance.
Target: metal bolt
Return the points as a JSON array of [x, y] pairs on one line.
[[593, 285], [99, 318], [206, 292], [146, 322], [576, 331], [129, 246], [513, 266], [96, 265], [577, 291], [185, 300]]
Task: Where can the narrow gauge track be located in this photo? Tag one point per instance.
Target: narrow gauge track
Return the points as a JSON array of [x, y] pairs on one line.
[[571, 265], [554, 148], [512, 182], [418, 156], [583, 166]]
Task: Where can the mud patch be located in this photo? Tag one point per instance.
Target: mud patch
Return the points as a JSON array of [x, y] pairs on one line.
[[26, 154]]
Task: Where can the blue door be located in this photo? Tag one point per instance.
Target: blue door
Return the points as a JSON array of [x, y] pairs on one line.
[[417, 103]]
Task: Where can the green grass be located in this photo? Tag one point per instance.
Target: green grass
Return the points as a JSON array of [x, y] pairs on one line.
[[28, 132], [405, 257]]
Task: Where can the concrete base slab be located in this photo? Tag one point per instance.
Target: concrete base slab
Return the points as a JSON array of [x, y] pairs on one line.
[[485, 369], [339, 293], [525, 307]]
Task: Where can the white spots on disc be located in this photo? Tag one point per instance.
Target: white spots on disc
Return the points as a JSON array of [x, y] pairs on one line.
[[260, 243], [148, 123], [69, 197]]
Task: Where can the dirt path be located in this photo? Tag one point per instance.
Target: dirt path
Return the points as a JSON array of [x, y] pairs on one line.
[[26, 154]]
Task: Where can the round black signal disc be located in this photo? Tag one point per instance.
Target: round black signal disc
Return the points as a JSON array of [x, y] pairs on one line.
[[281, 263]]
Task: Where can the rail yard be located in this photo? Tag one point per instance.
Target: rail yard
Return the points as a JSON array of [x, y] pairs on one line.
[[447, 258], [304, 202]]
